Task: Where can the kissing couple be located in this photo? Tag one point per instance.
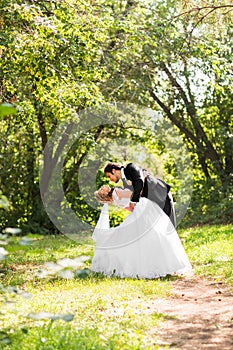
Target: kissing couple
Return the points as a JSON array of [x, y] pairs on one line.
[[145, 244]]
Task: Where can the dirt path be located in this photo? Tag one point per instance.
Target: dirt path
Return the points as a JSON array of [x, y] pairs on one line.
[[200, 315]]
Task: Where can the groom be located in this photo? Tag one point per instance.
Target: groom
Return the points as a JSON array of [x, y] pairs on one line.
[[142, 184]]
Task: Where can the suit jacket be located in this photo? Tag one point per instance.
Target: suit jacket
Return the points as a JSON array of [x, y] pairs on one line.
[[149, 187]]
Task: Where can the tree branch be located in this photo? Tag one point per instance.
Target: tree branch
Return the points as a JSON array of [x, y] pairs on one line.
[[189, 106], [175, 121], [200, 133], [198, 9], [43, 133]]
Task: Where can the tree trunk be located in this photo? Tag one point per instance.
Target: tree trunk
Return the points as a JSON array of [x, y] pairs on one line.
[[50, 161], [75, 168], [33, 194]]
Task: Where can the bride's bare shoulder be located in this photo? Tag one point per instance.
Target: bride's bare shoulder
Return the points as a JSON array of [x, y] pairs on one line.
[[123, 192]]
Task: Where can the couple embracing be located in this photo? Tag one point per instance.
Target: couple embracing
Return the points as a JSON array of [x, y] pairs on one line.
[[145, 244]]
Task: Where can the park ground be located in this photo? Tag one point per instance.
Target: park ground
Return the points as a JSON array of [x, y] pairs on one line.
[[90, 311]]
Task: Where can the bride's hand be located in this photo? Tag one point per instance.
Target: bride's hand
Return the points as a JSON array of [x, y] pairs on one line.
[[129, 209], [131, 205]]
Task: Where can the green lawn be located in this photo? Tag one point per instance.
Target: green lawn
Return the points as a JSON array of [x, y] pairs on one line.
[[210, 250], [104, 313]]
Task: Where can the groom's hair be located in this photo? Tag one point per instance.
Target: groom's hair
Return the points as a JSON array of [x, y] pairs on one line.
[[110, 166]]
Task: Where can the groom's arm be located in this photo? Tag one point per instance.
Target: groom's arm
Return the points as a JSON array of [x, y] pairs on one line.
[[136, 177]]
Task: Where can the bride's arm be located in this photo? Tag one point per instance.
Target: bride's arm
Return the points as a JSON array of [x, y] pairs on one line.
[[123, 193]]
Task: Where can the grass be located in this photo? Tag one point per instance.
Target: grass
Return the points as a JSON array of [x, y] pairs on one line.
[[109, 313], [210, 249]]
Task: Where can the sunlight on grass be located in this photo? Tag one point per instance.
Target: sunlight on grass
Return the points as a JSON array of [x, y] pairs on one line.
[[109, 313], [210, 249], [105, 313]]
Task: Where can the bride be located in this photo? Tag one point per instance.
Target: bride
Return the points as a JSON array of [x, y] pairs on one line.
[[144, 245]]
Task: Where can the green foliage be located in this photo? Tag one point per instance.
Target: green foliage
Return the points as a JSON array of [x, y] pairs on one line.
[[6, 109], [209, 204], [59, 58], [117, 215], [49, 70], [178, 78], [4, 203]]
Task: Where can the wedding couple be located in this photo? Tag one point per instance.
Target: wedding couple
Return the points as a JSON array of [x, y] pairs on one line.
[[145, 244]]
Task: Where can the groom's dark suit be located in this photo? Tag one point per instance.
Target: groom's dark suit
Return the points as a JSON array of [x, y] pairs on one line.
[[145, 185]]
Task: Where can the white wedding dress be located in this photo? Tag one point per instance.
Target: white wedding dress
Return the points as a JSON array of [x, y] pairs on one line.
[[145, 245]]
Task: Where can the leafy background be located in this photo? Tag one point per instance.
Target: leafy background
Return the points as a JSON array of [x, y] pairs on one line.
[[60, 58]]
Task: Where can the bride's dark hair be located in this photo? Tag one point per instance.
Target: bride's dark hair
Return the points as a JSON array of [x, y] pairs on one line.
[[104, 197]]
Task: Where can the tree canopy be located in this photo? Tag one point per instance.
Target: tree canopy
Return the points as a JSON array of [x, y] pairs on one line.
[[59, 59]]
